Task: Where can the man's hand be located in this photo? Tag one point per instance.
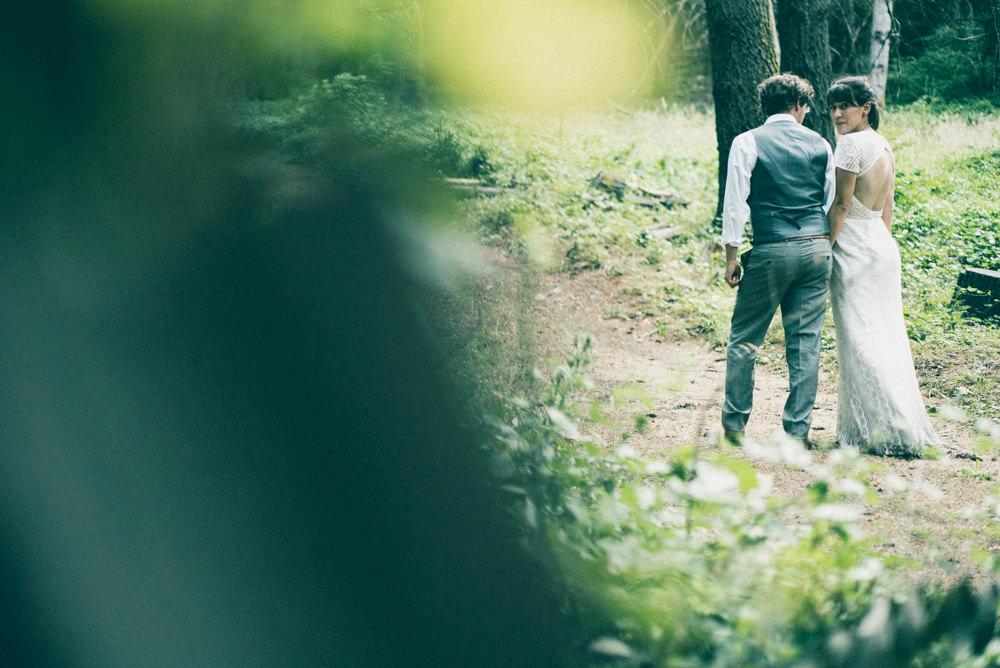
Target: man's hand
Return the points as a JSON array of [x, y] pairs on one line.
[[734, 273]]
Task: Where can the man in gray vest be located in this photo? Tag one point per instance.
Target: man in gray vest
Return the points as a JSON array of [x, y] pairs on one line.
[[780, 177]]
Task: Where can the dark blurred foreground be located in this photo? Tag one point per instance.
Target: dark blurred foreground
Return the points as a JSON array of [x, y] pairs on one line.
[[226, 437]]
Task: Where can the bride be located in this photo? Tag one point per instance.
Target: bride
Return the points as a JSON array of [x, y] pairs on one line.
[[880, 408]]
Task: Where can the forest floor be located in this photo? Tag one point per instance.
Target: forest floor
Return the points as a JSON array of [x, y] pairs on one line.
[[678, 386], [646, 284]]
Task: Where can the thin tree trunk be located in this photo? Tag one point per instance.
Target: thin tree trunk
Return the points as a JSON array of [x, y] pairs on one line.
[[741, 35], [881, 29], [849, 31], [993, 46], [804, 34]]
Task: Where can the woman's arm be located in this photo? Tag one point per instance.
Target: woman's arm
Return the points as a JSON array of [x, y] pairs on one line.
[[887, 209], [841, 202]]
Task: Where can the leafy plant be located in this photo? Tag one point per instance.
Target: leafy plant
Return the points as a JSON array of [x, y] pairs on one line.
[[691, 559]]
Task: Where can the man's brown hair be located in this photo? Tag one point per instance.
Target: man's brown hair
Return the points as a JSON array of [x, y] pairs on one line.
[[782, 92]]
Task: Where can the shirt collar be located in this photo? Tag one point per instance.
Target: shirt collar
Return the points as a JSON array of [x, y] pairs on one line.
[[774, 118]]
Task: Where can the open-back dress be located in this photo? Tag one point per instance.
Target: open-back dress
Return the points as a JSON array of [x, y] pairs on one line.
[[880, 408]]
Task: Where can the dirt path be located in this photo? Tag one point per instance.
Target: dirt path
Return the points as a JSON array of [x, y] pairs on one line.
[[683, 379]]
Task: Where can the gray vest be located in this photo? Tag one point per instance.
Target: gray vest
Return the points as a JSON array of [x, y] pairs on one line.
[[786, 184]]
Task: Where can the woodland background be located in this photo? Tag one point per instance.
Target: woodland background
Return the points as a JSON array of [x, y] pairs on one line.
[[294, 366]]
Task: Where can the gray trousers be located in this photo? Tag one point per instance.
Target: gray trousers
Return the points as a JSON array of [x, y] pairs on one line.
[[794, 275]]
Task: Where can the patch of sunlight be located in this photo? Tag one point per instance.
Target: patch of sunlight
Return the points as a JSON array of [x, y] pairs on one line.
[[533, 54]]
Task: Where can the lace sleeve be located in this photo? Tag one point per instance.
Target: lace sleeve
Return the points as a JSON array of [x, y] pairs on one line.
[[848, 155]]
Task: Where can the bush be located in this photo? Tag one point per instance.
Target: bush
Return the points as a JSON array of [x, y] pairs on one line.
[[686, 559], [690, 560], [307, 124], [951, 67]]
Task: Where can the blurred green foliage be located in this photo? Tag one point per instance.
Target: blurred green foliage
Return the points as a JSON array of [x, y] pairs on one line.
[[945, 49], [230, 434], [954, 64], [689, 559], [685, 560], [244, 382]]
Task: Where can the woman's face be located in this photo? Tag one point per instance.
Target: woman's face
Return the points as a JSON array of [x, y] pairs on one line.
[[849, 117]]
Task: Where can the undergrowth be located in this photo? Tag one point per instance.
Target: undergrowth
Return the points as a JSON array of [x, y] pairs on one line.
[[690, 559]]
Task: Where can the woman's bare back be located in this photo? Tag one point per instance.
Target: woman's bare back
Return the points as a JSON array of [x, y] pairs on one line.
[[874, 187]]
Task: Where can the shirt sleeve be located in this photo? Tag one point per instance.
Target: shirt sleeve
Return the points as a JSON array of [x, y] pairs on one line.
[[848, 155], [830, 186], [735, 210]]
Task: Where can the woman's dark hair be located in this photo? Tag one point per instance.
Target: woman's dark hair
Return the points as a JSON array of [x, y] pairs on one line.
[[855, 91], [782, 92]]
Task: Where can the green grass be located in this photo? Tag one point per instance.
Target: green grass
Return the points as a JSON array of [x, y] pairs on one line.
[[947, 211], [947, 215], [688, 559]]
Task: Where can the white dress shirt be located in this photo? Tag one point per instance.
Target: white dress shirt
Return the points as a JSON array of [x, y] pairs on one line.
[[742, 159]]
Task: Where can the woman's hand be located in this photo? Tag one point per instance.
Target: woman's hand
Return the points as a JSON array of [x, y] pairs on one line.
[[841, 202]]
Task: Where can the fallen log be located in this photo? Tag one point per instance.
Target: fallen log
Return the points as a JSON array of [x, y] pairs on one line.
[[667, 199], [979, 291], [601, 201], [620, 187], [473, 187], [661, 231], [609, 183]]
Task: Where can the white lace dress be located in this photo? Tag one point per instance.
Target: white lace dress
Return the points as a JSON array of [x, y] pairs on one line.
[[880, 409]]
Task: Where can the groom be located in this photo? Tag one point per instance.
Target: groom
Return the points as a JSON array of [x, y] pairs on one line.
[[780, 177]]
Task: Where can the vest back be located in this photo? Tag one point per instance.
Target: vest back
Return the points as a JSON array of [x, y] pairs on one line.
[[787, 183]]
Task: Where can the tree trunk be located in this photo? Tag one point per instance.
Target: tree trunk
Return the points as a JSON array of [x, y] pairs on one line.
[[804, 34], [743, 46], [850, 35], [993, 46], [979, 291], [881, 29]]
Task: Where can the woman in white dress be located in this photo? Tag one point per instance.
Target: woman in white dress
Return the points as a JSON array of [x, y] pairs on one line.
[[880, 407]]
